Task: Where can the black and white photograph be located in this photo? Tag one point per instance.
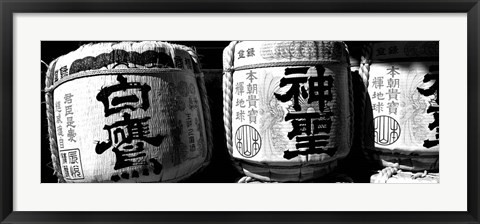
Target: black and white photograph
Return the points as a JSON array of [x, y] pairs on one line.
[[251, 112], [233, 111]]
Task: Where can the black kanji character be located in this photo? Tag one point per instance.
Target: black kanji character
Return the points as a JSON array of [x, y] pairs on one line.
[[121, 136], [130, 101]]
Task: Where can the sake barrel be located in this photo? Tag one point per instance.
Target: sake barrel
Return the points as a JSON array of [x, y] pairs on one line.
[[403, 86], [288, 110], [127, 112]]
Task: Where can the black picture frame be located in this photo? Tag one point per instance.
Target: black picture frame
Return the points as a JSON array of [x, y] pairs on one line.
[[9, 7]]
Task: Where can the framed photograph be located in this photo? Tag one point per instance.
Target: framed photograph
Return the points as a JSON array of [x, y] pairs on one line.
[[245, 112]]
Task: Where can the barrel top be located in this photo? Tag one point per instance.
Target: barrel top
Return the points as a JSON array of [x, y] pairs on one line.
[[403, 51], [123, 55], [241, 54]]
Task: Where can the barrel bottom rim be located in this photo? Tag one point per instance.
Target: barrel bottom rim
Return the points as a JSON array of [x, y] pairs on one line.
[[271, 174]]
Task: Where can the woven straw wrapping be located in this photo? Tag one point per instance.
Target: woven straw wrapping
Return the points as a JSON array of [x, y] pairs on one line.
[[128, 112], [258, 121], [392, 174], [397, 86]]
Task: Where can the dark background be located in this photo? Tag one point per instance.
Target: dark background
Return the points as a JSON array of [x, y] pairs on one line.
[[210, 55]]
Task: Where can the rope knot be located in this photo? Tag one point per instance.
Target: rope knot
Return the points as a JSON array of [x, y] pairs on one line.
[[229, 70]]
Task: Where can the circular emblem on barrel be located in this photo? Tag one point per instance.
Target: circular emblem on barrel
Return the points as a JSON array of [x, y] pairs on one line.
[[247, 141], [386, 129]]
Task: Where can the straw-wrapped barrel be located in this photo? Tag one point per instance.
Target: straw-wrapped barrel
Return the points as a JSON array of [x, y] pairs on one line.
[[403, 86], [288, 108], [127, 112]]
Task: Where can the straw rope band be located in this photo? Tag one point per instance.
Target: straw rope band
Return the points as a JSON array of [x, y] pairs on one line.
[[333, 177], [365, 62], [247, 179], [281, 64], [51, 125], [386, 173], [228, 54]]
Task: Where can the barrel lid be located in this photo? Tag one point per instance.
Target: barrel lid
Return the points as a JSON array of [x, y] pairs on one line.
[[123, 55]]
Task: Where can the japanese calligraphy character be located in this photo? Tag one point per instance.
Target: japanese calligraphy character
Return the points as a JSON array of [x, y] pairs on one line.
[[71, 135], [64, 157], [302, 123], [380, 51], [68, 110], [393, 83], [75, 171], [294, 91], [312, 145], [252, 115], [393, 50], [250, 52], [252, 88], [319, 87], [392, 94], [392, 107], [239, 88], [73, 157], [189, 120], [241, 54], [393, 71], [378, 95], [377, 107], [377, 82], [66, 172], [55, 76], [250, 76], [70, 122], [124, 101], [121, 136], [68, 98], [240, 115], [252, 100], [240, 103]]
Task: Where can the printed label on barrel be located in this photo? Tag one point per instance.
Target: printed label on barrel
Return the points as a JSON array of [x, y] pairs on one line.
[[129, 128], [71, 164], [405, 103], [290, 114]]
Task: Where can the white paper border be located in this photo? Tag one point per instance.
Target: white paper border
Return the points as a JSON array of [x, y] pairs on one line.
[[30, 195]]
